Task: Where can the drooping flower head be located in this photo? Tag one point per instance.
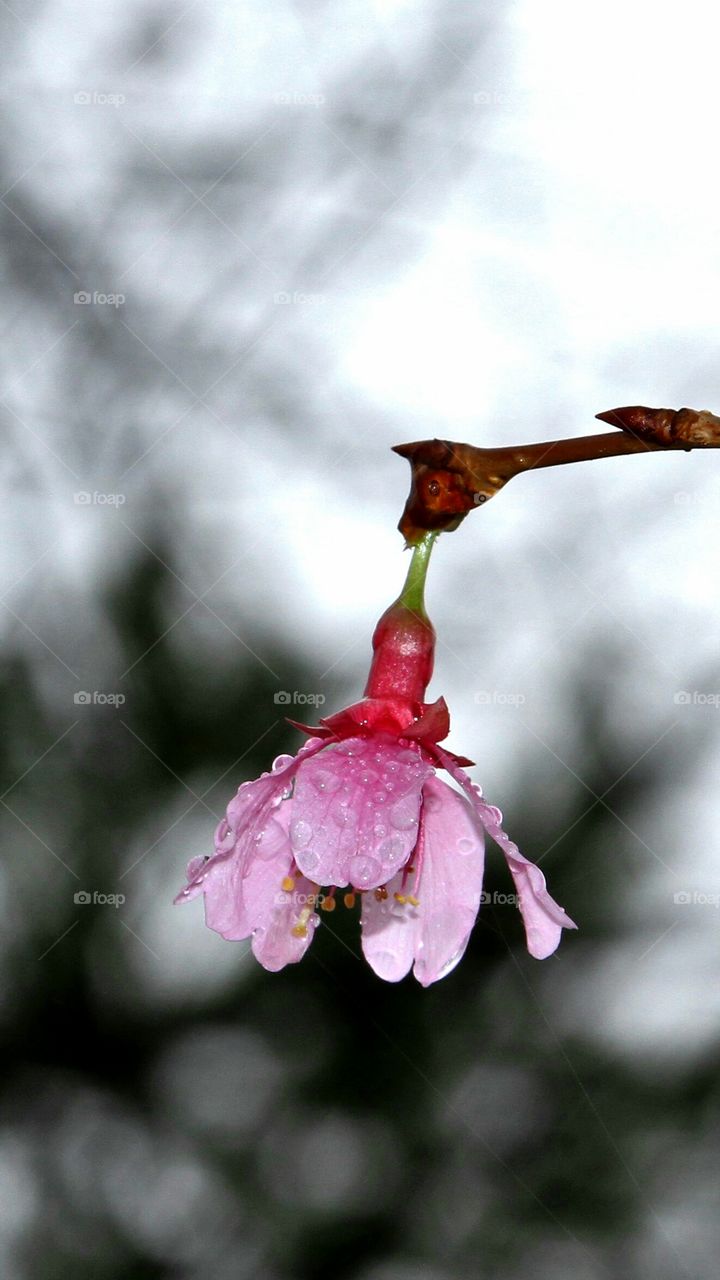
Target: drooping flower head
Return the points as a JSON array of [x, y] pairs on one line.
[[360, 811]]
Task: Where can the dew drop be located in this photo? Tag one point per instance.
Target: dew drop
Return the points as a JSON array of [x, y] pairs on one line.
[[392, 850], [310, 861], [325, 781], [300, 833], [281, 761], [363, 871], [465, 845], [340, 811], [403, 816]]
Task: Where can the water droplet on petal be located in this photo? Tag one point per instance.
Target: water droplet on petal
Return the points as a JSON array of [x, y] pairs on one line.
[[324, 780], [392, 850], [403, 815], [281, 761], [310, 860], [364, 872], [300, 833], [465, 845], [340, 811]]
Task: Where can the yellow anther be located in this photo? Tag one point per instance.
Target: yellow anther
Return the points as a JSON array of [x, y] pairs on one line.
[[414, 902], [400, 897], [288, 884], [327, 904], [299, 930], [349, 899]]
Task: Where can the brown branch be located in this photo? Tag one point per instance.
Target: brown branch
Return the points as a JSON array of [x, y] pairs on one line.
[[450, 479]]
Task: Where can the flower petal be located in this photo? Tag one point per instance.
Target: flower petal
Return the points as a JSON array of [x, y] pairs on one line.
[[272, 911], [544, 920], [389, 933], [356, 811], [450, 856], [450, 884], [238, 844]]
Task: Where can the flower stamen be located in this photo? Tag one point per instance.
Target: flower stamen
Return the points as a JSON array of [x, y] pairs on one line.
[[299, 930]]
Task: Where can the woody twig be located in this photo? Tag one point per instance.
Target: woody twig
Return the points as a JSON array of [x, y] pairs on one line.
[[449, 479]]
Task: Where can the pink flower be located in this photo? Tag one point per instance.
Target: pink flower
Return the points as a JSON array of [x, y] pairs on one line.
[[360, 809]]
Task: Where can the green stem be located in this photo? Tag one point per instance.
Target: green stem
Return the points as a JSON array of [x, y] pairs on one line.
[[413, 593]]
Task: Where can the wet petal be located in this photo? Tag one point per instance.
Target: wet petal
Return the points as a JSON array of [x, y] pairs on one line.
[[356, 811], [544, 920], [450, 884], [389, 933], [433, 935], [238, 847], [273, 911]]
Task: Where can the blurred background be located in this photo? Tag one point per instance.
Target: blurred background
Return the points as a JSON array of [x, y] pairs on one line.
[[246, 248]]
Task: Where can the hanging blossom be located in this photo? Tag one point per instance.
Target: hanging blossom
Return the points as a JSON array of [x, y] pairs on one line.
[[360, 809]]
